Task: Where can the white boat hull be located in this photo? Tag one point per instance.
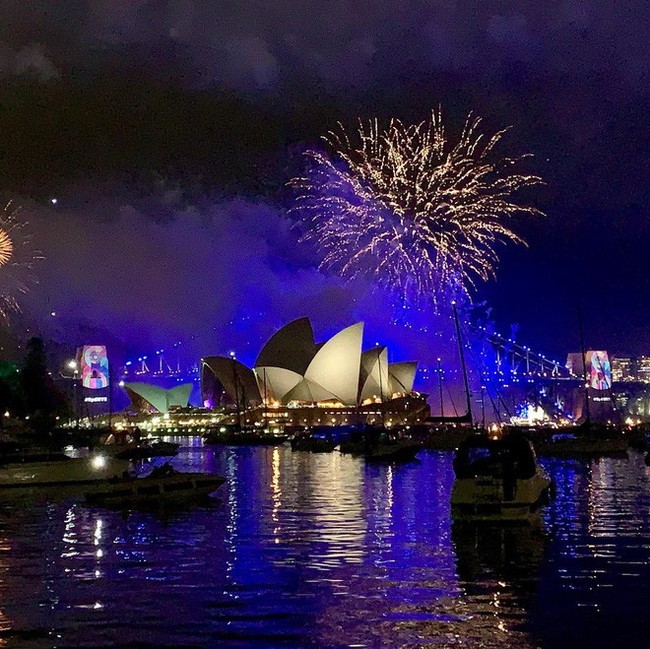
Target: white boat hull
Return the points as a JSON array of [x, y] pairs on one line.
[[173, 486], [60, 473], [488, 498]]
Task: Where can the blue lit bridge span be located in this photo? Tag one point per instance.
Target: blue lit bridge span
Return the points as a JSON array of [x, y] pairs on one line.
[[176, 361], [504, 359], [496, 358]]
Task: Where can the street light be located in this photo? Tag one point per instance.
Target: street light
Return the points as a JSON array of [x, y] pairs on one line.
[[235, 379], [442, 408], [74, 367]]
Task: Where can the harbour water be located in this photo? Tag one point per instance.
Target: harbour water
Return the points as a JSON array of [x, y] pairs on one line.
[[322, 550]]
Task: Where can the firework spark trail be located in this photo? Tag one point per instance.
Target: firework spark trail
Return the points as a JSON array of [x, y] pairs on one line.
[[17, 259], [404, 206], [6, 247]]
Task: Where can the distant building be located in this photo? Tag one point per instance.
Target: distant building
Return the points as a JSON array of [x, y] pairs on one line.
[[643, 369], [621, 400], [595, 385], [622, 369]]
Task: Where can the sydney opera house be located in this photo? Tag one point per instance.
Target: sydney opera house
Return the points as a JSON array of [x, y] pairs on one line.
[[151, 399], [296, 381]]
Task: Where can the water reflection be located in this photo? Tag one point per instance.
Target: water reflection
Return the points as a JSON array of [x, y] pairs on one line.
[[323, 550], [499, 568], [5, 621], [599, 563]]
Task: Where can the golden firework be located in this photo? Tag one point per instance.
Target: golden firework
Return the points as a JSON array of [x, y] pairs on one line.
[[6, 247], [17, 259], [403, 205]]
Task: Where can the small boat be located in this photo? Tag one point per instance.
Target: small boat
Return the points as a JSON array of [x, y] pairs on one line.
[[144, 449], [359, 439], [572, 445], [163, 484], [393, 450], [314, 441], [445, 437], [245, 437], [379, 444], [497, 480], [54, 471]]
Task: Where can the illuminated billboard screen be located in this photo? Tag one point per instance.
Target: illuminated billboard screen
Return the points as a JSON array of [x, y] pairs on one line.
[[94, 367], [600, 370]]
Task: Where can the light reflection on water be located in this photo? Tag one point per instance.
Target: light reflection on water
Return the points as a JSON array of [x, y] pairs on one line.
[[323, 550]]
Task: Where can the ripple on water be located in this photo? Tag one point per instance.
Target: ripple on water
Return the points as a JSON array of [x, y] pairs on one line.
[[320, 550]]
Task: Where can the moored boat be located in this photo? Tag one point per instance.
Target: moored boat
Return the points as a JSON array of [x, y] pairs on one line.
[[314, 441], [445, 437], [162, 485], [569, 444], [60, 471], [497, 479], [393, 450], [144, 449], [380, 444], [245, 437]]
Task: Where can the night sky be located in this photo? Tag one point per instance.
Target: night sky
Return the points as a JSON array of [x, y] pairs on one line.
[[168, 130]]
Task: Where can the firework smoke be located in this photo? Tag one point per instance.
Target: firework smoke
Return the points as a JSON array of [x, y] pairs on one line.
[[407, 208]]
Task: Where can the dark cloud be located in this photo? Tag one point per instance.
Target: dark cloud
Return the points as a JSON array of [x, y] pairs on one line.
[[252, 44], [168, 128], [29, 61], [153, 280]]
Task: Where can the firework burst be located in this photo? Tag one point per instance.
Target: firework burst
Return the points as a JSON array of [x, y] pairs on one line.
[[17, 259], [404, 206]]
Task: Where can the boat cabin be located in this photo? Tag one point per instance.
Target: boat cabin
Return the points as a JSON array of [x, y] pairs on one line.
[[480, 455]]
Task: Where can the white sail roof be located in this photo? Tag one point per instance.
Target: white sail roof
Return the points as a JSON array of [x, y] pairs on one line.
[[151, 397], [310, 392], [335, 367], [292, 367], [275, 382], [236, 379], [374, 375], [402, 376]]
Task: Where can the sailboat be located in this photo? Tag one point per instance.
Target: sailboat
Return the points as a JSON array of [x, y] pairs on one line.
[[497, 480], [447, 433]]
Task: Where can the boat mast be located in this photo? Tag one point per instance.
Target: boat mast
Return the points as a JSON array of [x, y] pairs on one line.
[[265, 418], [462, 362], [442, 408], [585, 377], [381, 389], [234, 378]]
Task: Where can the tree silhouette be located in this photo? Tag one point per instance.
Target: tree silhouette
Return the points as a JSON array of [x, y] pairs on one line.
[[42, 399]]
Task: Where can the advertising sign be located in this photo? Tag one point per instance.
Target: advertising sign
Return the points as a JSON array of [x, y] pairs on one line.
[[94, 367], [600, 370]]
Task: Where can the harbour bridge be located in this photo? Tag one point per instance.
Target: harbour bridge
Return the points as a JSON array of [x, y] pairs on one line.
[[496, 358]]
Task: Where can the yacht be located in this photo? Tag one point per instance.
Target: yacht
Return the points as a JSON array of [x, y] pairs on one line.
[[162, 485], [497, 479]]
